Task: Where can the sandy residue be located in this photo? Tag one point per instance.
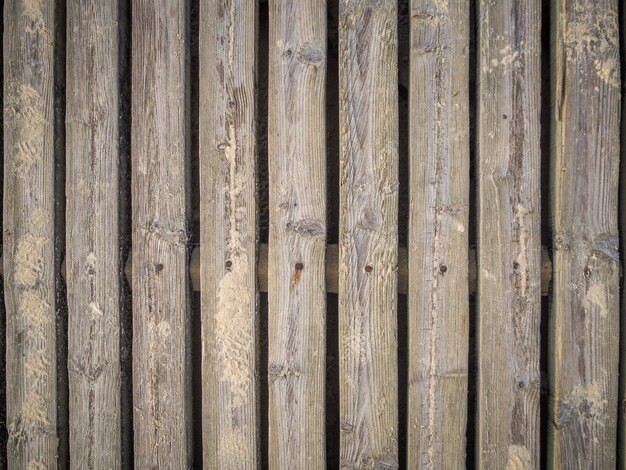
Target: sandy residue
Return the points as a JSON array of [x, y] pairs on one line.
[[519, 458], [29, 261], [597, 296]]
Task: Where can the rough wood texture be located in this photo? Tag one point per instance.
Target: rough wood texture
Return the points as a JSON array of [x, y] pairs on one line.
[[585, 304], [93, 252], [297, 176], [621, 449], [28, 211], [509, 244], [438, 228], [160, 149], [368, 120], [228, 234]]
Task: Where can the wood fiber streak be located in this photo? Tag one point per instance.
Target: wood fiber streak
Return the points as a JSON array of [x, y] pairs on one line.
[[368, 120], [93, 251], [229, 234], [585, 172], [161, 369], [297, 239], [509, 243], [438, 234], [28, 234]]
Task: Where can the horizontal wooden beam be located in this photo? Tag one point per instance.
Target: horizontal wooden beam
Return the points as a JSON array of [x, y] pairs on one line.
[[332, 266]]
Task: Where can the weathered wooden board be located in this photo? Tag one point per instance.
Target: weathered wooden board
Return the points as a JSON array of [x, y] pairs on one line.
[[621, 449], [509, 243], [228, 234], [438, 234], [368, 239], [296, 285], [28, 236], [160, 149], [93, 253], [585, 303]]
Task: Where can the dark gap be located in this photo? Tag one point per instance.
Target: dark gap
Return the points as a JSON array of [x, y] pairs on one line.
[[332, 382], [262, 172], [546, 234], [193, 82], [404, 32], [63, 455], [124, 231], [3, 409], [472, 366]]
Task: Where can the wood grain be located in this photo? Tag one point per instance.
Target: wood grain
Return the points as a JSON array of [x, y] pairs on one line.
[[161, 370], [93, 251], [296, 285], [28, 234], [368, 120], [585, 171], [438, 234], [228, 234], [509, 244]]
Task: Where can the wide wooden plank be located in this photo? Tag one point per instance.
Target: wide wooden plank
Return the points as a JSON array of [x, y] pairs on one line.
[[509, 243], [296, 285], [368, 239], [93, 251], [585, 302], [28, 234], [230, 379], [438, 234], [160, 149]]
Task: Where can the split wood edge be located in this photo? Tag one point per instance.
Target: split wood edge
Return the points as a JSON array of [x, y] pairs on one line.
[[332, 265]]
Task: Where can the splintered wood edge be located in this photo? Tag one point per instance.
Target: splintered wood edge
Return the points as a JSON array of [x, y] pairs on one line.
[[332, 267]]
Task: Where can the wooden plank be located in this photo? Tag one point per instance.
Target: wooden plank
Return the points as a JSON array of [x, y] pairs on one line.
[[585, 304], [160, 149], [297, 175], [28, 213], [509, 243], [438, 305], [368, 120], [93, 251], [228, 236], [621, 433]]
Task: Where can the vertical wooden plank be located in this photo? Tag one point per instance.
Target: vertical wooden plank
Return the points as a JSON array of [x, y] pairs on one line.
[[92, 252], [509, 243], [585, 171], [29, 266], [161, 371], [297, 244], [228, 237], [438, 234], [621, 449], [368, 120]]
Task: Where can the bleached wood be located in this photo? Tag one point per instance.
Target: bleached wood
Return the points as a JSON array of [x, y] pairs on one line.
[[28, 234], [228, 219], [93, 250], [585, 297], [160, 149], [438, 234], [297, 178], [368, 129]]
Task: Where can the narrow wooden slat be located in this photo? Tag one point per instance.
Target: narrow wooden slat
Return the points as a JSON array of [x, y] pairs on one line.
[[297, 176], [585, 305], [509, 244], [228, 234], [621, 449], [28, 211], [161, 371], [93, 259], [368, 120], [438, 234]]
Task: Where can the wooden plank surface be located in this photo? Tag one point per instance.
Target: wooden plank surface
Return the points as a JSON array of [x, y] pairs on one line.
[[509, 244], [93, 251], [585, 303], [296, 289], [368, 127], [160, 149], [438, 234], [228, 234], [28, 212]]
